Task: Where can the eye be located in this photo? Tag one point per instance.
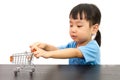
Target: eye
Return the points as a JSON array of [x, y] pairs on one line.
[[71, 25], [79, 26]]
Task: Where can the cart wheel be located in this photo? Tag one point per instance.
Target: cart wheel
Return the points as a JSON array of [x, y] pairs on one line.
[[15, 73], [33, 69], [31, 74]]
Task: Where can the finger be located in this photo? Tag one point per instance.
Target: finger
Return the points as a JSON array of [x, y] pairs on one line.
[[37, 55], [33, 50], [34, 44]]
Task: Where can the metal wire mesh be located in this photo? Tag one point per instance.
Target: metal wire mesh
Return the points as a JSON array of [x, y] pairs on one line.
[[22, 58]]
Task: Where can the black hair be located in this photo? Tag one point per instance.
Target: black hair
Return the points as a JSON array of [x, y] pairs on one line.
[[92, 14]]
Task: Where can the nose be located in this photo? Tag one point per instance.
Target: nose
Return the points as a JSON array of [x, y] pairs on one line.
[[73, 29]]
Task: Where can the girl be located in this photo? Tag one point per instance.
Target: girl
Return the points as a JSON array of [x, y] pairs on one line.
[[84, 49]]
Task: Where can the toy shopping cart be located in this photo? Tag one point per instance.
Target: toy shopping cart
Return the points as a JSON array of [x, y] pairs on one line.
[[23, 62]]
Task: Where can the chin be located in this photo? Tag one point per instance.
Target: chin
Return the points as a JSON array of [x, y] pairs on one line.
[[75, 40]]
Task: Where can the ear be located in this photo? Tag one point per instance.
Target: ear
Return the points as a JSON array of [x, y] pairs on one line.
[[94, 29]]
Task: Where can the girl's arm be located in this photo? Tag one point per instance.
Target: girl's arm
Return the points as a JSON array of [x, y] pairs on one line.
[[50, 48], [44, 46], [60, 54]]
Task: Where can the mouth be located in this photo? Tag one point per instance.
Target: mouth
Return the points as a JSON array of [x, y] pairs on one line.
[[73, 37]]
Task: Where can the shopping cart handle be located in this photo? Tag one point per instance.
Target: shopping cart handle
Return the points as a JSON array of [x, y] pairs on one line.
[[11, 58], [33, 50]]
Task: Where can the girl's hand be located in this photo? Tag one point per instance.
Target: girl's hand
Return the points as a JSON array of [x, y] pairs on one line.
[[39, 52], [39, 45]]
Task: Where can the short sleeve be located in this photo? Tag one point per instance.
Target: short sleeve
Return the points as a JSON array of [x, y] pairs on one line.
[[62, 47], [91, 52], [69, 45]]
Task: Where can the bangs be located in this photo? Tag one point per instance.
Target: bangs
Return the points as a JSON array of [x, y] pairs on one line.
[[81, 10], [78, 15]]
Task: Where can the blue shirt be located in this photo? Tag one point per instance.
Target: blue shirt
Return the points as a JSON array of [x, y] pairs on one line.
[[90, 51]]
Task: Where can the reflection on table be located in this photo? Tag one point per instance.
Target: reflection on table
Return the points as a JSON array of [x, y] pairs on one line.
[[63, 72]]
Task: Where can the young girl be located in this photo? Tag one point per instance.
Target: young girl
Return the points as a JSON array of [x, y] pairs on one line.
[[83, 50]]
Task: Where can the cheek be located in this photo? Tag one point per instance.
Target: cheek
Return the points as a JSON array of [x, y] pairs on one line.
[[70, 31], [84, 34]]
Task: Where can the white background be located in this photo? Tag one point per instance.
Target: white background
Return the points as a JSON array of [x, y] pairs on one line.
[[23, 22]]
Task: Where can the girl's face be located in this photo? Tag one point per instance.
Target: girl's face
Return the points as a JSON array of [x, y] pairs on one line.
[[81, 31]]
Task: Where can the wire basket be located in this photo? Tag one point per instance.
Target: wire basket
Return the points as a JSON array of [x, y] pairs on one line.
[[23, 62]]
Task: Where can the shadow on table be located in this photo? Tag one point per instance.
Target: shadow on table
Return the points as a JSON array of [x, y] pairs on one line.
[[72, 72]]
